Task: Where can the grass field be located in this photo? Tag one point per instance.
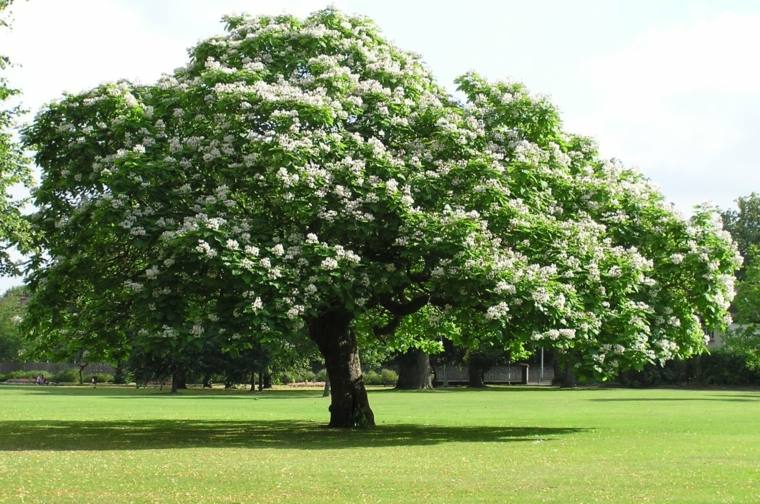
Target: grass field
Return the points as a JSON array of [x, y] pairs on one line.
[[113, 445]]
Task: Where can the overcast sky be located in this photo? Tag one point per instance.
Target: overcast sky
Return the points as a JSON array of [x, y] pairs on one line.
[[671, 87]]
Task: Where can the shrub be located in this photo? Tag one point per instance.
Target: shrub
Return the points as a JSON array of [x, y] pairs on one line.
[[70, 375], [283, 378], [388, 377], [99, 377], [321, 375], [372, 378], [32, 374], [722, 367]]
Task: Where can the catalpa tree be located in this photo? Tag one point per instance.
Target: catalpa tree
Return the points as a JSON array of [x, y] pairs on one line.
[[300, 178]]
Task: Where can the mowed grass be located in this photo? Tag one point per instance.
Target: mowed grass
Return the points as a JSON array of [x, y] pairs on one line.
[[113, 445]]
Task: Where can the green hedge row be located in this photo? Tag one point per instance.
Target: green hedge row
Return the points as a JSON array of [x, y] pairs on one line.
[[383, 377], [718, 368], [66, 376]]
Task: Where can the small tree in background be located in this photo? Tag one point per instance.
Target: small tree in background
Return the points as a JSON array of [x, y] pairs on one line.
[[744, 338], [744, 224]]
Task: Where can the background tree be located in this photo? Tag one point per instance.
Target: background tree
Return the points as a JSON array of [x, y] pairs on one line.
[[14, 171], [11, 314], [298, 175], [744, 338], [744, 223]]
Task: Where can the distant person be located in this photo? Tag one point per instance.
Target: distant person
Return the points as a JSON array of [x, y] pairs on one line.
[[94, 382], [38, 380]]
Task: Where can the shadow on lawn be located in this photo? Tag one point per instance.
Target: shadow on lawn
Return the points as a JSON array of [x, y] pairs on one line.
[[720, 398], [165, 434]]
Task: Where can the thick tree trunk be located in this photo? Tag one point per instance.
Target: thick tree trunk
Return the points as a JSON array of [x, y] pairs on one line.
[[476, 375], [477, 365], [118, 374], [349, 403], [414, 371], [267, 379], [566, 374], [179, 379]]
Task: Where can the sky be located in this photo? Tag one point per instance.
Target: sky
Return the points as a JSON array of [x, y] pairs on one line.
[[671, 88]]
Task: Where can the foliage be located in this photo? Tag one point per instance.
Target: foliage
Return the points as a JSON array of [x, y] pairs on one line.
[[721, 367], [388, 376], [14, 170], [70, 375], [298, 169], [744, 223], [99, 378], [11, 315], [744, 337], [28, 374], [295, 376]]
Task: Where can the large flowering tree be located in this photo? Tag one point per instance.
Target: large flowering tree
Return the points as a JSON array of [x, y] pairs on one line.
[[300, 176]]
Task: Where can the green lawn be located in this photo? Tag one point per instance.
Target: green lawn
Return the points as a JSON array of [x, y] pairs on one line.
[[112, 445]]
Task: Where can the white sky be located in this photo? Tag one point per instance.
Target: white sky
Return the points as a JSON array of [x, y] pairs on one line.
[[671, 87]]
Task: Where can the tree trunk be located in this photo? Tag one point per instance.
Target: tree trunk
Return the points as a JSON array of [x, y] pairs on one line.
[[267, 379], [414, 371], [476, 375], [349, 403], [253, 381], [118, 375], [179, 379], [567, 375], [477, 365], [81, 373]]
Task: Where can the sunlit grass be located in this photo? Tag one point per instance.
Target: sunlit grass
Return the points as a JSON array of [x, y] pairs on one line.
[[70, 444]]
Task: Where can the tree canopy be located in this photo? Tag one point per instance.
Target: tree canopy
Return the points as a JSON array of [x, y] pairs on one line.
[[301, 178], [744, 223], [14, 170], [11, 315]]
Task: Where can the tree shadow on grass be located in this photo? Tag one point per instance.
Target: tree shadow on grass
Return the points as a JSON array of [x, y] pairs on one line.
[[123, 392], [720, 398], [54, 435]]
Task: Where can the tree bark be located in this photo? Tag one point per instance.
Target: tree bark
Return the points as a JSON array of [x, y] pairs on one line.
[[477, 365], [118, 375], [81, 372], [179, 379], [267, 379], [414, 371], [476, 375], [349, 405], [567, 375]]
